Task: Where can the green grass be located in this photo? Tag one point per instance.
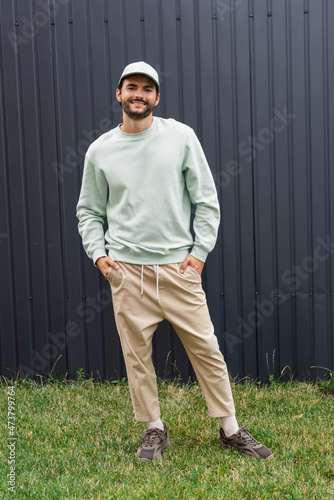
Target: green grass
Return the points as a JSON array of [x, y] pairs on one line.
[[78, 440]]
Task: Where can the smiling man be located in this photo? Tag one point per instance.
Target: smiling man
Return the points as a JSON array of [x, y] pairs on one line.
[[143, 177], [137, 106]]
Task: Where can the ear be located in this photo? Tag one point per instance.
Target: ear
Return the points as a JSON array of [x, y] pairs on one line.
[[157, 100], [118, 95]]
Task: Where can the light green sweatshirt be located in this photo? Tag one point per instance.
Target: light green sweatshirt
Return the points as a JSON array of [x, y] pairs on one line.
[[144, 184]]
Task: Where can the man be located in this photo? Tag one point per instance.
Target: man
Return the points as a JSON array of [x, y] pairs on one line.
[[143, 176]]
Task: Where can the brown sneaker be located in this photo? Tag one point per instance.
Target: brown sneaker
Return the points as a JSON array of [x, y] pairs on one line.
[[243, 441], [154, 441]]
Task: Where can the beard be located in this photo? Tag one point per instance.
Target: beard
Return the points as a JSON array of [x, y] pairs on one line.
[[138, 114]]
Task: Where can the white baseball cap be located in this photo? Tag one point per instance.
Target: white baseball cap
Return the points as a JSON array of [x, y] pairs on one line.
[[140, 68]]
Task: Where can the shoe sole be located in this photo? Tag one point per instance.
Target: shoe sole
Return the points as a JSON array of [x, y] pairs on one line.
[[228, 446], [158, 456]]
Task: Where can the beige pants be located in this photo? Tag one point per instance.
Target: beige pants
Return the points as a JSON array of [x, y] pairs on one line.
[[143, 296]]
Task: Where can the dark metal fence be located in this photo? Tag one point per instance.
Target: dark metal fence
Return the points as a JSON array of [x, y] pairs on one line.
[[255, 79]]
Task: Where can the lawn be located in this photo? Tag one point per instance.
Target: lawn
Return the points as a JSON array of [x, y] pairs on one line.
[[78, 440]]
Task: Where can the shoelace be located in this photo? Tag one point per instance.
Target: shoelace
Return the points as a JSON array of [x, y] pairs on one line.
[[151, 435], [249, 439]]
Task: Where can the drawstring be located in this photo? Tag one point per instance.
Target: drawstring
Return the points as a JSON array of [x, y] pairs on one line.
[[158, 283], [142, 282]]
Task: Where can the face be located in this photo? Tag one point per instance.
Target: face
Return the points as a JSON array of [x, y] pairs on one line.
[[138, 96]]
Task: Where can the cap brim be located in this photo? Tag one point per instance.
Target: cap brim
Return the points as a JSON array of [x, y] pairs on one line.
[[138, 73]]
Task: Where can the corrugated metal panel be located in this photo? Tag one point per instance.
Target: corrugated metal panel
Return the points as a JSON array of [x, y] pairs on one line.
[[255, 80]]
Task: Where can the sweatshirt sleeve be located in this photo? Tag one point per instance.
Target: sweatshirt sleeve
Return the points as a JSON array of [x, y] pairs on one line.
[[203, 195], [91, 209]]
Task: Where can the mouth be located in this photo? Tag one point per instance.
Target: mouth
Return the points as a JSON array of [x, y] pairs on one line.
[[140, 103]]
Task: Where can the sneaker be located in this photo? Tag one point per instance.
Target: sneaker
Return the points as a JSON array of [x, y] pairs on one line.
[[243, 441], [154, 441]]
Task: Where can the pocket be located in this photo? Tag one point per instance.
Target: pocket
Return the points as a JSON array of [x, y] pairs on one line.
[[115, 277], [194, 272]]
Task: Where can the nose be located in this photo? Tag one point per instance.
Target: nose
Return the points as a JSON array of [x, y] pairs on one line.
[[138, 95]]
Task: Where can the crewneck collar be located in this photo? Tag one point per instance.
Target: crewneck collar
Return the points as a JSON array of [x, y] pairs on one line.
[[137, 135]]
